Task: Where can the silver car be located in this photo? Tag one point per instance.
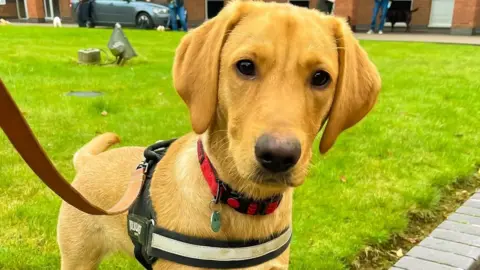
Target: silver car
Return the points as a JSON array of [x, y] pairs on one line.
[[140, 14]]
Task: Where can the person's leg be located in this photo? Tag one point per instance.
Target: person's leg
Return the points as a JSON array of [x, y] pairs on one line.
[[173, 18], [374, 15], [181, 15], [384, 15]]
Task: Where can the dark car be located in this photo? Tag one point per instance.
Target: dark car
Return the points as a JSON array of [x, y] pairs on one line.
[[140, 14]]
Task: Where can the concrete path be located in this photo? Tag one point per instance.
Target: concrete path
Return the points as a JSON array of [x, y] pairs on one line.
[[453, 245], [434, 38], [42, 24]]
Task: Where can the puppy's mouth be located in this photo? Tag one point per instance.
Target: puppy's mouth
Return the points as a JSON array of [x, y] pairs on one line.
[[274, 180]]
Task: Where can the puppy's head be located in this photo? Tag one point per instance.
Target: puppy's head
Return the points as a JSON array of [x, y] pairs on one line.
[[270, 75]]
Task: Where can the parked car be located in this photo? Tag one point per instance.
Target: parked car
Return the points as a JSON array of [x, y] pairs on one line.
[[129, 13]]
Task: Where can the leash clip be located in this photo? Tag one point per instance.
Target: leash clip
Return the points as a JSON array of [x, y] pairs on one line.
[[220, 189]]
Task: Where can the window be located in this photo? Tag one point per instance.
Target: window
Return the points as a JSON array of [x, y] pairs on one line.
[[213, 8], [301, 3]]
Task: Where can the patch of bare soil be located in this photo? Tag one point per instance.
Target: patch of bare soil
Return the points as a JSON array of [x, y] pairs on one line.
[[421, 224]]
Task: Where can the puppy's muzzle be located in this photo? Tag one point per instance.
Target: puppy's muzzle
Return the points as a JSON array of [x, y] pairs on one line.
[[277, 154]]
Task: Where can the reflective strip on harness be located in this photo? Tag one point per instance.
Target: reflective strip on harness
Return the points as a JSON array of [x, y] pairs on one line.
[[217, 253], [208, 256]]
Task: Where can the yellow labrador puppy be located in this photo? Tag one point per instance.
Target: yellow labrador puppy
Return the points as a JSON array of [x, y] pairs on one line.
[[260, 80]]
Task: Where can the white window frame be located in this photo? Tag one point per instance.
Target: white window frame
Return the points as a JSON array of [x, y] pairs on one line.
[[430, 25], [18, 10]]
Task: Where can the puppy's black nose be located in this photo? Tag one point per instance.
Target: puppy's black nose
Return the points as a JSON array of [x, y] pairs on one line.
[[277, 154]]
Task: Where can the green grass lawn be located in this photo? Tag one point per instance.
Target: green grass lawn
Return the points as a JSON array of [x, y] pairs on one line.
[[422, 135]]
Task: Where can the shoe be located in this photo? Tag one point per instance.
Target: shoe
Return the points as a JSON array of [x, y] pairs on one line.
[[380, 32], [370, 32]]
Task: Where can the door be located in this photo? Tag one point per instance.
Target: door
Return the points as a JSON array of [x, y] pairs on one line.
[[22, 9], [52, 8], [56, 8], [441, 14], [47, 4]]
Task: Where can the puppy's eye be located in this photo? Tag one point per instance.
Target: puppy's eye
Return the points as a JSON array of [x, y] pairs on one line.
[[320, 79], [246, 68]]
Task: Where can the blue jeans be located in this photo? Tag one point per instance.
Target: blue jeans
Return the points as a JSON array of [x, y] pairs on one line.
[[180, 11], [379, 4]]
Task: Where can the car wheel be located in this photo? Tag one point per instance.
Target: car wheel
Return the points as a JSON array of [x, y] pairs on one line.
[[144, 21]]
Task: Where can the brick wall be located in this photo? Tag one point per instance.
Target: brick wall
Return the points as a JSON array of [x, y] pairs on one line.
[[422, 16], [364, 12], [464, 13], [476, 29], [477, 15], [65, 10], [465, 16], [36, 12], [348, 8], [9, 10], [196, 11]]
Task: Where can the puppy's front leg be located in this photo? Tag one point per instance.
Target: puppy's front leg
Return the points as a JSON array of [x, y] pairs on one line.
[[282, 262]]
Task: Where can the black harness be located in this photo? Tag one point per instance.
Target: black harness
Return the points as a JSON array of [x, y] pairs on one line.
[[144, 234]]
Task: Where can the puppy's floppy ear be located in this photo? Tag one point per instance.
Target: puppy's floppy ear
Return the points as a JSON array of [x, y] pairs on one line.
[[197, 63], [357, 88]]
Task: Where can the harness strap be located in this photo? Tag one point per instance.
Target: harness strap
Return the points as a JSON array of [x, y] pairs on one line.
[[141, 214], [216, 254], [21, 136], [141, 257], [153, 242]]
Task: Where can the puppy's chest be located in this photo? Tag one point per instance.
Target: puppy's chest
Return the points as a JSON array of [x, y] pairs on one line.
[[197, 218]]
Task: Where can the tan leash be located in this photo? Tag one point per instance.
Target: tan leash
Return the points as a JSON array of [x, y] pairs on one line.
[[21, 136]]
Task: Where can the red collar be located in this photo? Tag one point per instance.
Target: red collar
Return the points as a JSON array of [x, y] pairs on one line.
[[225, 194]]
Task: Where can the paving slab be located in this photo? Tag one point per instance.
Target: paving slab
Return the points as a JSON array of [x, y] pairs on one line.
[[452, 247], [468, 211], [43, 24], [472, 203], [430, 38], [457, 237], [441, 257], [465, 219], [460, 227], [412, 263], [454, 244]]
